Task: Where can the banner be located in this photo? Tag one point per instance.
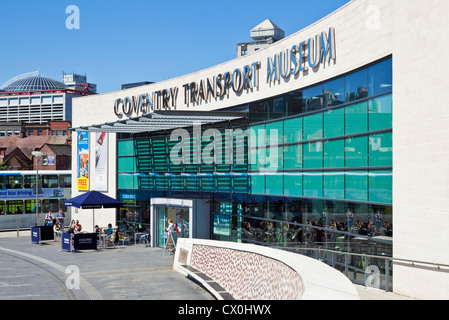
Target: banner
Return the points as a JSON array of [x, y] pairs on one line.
[[85, 241], [83, 161], [101, 162]]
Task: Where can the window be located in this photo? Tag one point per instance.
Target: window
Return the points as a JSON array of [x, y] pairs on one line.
[[334, 123], [313, 127], [65, 181], [293, 130], [381, 113], [313, 184], [50, 181], [2, 182], [293, 157], [313, 155], [357, 118], [14, 182], [334, 185], [380, 77], [313, 98], [334, 92], [30, 206], [356, 85], [334, 154], [356, 152], [357, 185], [293, 184], [14, 207], [381, 150]]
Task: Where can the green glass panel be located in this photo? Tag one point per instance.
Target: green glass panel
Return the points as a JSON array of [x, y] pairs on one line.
[[207, 182], [334, 123], [334, 185], [127, 181], [357, 185], [126, 148], [334, 154], [313, 184], [381, 187], [293, 130], [257, 182], [313, 155], [274, 183], [239, 182], [275, 133], [381, 113], [293, 184], [381, 150], [356, 118], [313, 127], [356, 152], [275, 159], [126, 164], [293, 157]]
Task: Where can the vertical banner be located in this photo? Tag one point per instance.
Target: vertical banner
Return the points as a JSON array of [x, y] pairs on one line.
[[101, 162], [83, 161]]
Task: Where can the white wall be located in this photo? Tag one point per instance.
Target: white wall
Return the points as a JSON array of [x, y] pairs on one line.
[[421, 146]]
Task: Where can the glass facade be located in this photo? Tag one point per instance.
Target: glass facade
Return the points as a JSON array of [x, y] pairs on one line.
[[319, 157]]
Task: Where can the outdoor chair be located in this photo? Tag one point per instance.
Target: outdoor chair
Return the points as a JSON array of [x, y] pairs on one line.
[[122, 238], [145, 239]]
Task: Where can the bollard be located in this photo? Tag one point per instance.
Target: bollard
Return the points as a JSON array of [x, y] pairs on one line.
[[18, 224]]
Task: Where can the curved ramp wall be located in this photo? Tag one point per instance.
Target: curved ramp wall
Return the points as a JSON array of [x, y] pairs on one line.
[[250, 272]]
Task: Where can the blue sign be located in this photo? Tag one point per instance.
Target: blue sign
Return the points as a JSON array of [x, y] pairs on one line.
[[35, 235], [66, 242]]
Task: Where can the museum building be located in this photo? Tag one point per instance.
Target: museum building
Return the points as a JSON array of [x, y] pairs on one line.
[[323, 136]]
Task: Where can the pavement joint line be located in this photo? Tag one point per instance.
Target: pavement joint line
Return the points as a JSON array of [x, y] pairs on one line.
[[85, 285]]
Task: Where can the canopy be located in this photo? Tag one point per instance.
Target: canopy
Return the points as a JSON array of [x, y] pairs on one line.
[[93, 200]]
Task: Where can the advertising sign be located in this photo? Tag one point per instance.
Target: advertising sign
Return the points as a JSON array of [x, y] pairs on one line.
[[35, 235], [86, 241], [66, 242], [83, 161], [101, 162]]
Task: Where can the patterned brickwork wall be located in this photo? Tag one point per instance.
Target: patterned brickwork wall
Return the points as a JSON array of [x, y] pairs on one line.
[[248, 276]]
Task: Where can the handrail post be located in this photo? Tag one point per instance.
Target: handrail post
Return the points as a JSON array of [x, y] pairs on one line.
[[387, 276]]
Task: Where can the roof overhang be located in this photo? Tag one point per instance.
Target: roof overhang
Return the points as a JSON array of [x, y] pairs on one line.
[[163, 120]]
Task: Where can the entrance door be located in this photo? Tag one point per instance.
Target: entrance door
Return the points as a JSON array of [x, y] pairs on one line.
[[180, 218]]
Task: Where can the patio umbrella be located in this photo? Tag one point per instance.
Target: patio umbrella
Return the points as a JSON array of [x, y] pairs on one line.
[[93, 200]]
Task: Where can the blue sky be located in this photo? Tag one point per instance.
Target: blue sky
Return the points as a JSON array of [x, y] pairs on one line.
[[138, 40]]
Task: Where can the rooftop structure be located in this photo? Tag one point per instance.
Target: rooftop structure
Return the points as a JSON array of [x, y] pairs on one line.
[[263, 35]]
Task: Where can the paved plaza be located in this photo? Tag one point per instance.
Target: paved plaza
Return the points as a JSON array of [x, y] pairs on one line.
[[44, 272]]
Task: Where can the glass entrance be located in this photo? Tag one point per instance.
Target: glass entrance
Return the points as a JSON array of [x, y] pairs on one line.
[[179, 216]]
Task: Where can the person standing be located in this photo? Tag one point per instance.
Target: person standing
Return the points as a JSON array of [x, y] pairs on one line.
[[61, 218], [49, 219]]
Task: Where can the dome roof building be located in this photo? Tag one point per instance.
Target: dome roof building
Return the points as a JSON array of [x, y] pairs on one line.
[[34, 83], [35, 99]]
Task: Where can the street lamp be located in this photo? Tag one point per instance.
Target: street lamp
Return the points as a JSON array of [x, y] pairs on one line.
[[37, 155]]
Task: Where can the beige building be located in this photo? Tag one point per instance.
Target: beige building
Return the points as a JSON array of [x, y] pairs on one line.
[[411, 34]]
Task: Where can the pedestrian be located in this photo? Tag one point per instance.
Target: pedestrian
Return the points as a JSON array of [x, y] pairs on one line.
[[61, 217], [49, 219]]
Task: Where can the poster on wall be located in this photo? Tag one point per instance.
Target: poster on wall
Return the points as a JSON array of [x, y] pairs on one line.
[[83, 162], [101, 162]]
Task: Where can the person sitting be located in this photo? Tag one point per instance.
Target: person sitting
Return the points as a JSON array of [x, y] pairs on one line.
[[109, 230], [57, 229]]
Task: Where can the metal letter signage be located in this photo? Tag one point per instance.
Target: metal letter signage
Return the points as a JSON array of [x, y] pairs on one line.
[[289, 62]]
